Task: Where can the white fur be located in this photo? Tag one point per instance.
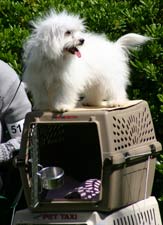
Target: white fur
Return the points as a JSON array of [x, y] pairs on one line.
[[56, 78]]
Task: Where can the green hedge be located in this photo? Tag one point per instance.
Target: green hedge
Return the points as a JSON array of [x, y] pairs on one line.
[[114, 18]]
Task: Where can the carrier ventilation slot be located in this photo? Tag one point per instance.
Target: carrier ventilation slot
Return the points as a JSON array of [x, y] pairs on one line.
[[132, 129], [137, 218]]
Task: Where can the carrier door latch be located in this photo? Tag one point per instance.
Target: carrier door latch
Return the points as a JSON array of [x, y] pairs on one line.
[[153, 149], [18, 162]]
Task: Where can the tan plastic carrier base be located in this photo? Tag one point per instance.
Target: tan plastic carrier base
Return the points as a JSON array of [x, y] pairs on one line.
[[114, 145]]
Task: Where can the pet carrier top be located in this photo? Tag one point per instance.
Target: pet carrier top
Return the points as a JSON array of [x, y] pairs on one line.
[[89, 158]]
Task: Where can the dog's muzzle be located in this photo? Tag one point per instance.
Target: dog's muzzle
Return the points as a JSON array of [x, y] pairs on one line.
[[81, 41], [74, 50]]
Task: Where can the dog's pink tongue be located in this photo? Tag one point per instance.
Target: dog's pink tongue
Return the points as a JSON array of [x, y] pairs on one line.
[[78, 54]]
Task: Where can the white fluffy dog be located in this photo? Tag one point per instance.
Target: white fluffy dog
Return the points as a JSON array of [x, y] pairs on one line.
[[63, 61]]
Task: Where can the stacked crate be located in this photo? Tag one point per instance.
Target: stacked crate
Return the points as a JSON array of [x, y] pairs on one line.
[[116, 146]]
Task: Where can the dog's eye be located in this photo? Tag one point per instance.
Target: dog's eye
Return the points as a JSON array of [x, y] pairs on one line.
[[68, 32]]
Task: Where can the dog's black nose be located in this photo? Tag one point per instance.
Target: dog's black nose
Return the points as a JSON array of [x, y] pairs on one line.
[[81, 41]]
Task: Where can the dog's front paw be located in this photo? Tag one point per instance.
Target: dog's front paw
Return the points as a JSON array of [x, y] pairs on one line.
[[63, 108], [116, 103], [87, 102]]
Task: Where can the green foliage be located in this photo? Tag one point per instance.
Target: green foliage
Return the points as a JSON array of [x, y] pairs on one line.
[[114, 18]]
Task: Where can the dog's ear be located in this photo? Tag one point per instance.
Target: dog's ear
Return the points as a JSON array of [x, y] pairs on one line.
[[50, 42]]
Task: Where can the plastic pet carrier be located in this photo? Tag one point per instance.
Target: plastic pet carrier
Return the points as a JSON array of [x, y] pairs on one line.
[[143, 212], [88, 159]]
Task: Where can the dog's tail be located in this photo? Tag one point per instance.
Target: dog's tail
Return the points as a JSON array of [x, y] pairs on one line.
[[132, 40]]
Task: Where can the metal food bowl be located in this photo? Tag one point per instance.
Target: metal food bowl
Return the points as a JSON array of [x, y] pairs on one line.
[[51, 177]]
